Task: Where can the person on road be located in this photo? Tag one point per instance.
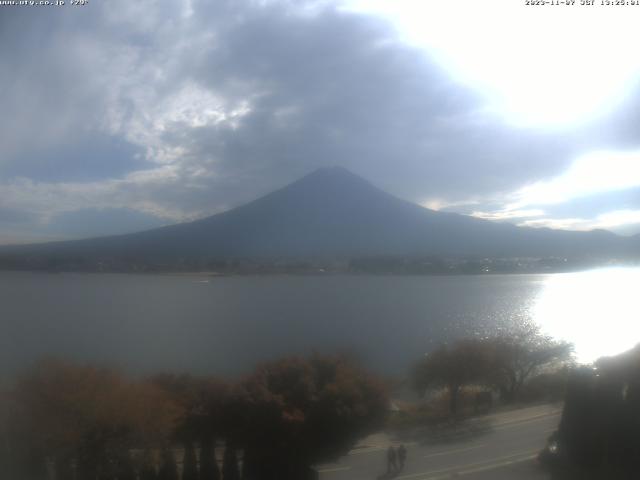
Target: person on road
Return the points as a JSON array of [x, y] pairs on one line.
[[402, 456], [392, 466]]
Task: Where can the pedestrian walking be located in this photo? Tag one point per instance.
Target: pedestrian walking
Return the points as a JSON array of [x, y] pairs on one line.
[[392, 464], [402, 456]]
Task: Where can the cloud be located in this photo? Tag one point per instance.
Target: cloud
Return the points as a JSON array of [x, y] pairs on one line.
[[618, 218], [180, 110], [591, 174], [598, 190], [559, 223], [10, 216], [508, 214], [439, 204], [620, 221], [92, 222], [527, 78]]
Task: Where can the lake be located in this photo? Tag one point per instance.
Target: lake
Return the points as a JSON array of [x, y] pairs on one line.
[[224, 325]]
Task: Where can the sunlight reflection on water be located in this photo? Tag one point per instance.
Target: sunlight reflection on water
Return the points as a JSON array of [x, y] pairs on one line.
[[597, 310]]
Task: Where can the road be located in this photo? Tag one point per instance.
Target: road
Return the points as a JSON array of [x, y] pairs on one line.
[[503, 449]]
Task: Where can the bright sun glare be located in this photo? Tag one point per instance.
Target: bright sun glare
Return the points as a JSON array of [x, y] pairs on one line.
[[541, 67], [591, 174], [596, 310]]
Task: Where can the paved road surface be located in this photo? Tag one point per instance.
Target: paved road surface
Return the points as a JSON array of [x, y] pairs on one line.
[[504, 449]]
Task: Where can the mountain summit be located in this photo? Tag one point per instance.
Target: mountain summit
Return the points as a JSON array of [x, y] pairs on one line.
[[333, 213]]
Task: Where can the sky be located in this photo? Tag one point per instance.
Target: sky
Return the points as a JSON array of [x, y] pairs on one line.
[[120, 116]]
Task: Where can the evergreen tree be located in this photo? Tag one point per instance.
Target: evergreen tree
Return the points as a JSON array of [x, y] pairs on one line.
[[62, 466], [250, 470], [147, 468], [31, 466], [126, 470], [295, 413], [230, 469], [209, 469], [88, 461], [189, 463], [168, 468]]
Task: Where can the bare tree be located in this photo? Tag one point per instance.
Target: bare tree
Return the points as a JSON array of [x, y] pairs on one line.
[[452, 367], [518, 356]]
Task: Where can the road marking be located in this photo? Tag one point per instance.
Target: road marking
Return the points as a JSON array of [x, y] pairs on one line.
[[520, 418], [495, 465], [447, 452], [502, 426], [473, 467], [521, 414], [498, 427], [379, 448], [360, 451], [335, 469]]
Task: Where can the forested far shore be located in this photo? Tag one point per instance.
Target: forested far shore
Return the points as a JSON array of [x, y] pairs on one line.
[[378, 265]]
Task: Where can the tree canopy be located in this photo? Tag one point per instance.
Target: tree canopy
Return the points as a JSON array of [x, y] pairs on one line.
[[452, 367], [296, 412], [504, 362], [282, 419], [202, 400], [518, 356], [599, 432], [94, 415]]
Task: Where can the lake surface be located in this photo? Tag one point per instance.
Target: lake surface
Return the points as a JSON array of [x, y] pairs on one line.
[[225, 325]]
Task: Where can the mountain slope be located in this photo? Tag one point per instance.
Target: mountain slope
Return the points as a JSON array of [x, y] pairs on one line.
[[333, 212]]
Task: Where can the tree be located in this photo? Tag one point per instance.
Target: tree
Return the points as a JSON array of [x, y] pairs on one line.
[[208, 464], [451, 367], [519, 356], [168, 468], [62, 468], [599, 432], [189, 463], [202, 400], [147, 467], [124, 466], [92, 415], [296, 412], [21, 456], [230, 469]]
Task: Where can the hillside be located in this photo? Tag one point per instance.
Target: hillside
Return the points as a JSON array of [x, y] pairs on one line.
[[331, 213]]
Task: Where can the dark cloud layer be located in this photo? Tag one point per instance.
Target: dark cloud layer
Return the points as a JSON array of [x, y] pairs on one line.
[[176, 110], [85, 223]]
